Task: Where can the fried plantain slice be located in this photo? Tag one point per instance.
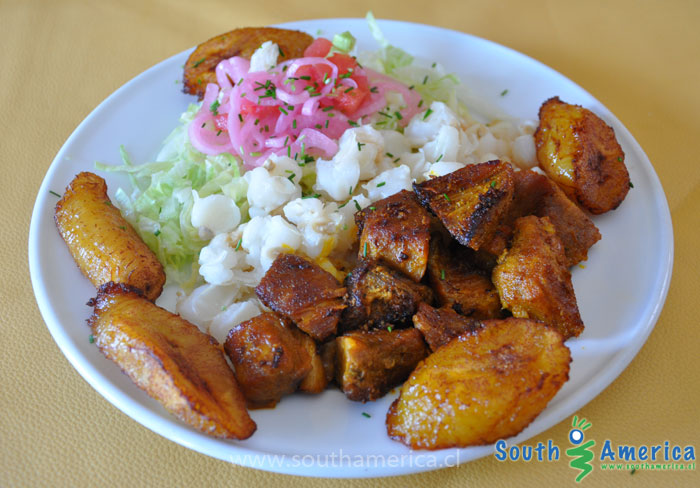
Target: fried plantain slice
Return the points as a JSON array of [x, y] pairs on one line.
[[103, 244], [397, 231], [171, 360], [581, 154], [470, 201], [271, 357], [305, 292], [440, 325], [482, 386], [201, 65], [533, 280], [378, 295], [369, 364], [458, 283]]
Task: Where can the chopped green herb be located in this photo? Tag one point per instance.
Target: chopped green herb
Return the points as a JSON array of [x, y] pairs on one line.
[[157, 233], [619, 158], [281, 52], [326, 109], [219, 132], [442, 274], [91, 339], [631, 185], [294, 124], [203, 124], [374, 89], [214, 107], [380, 184], [425, 80], [364, 250], [372, 207], [255, 154], [433, 65], [122, 227], [359, 145], [291, 177], [307, 78], [397, 159], [238, 244], [199, 62], [365, 414], [420, 103], [351, 123], [389, 155], [345, 226], [357, 205], [315, 195], [350, 89], [326, 124], [389, 328], [427, 113], [257, 121], [240, 117], [283, 110], [398, 115], [439, 159], [493, 184], [54, 193], [343, 204], [504, 92], [446, 197]]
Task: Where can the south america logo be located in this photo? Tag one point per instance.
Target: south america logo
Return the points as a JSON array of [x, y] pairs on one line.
[[581, 453]]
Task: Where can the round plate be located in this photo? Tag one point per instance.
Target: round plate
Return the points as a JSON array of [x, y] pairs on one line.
[[620, 290]]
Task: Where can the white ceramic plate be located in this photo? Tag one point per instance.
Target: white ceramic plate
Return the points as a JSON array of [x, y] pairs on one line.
[[620, 292]]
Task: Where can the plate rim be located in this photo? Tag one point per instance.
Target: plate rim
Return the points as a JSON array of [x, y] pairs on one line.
[[148, 419]]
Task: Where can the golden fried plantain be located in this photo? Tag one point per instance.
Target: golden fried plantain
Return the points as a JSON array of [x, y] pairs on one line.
[[533, 280], [201, 65], [318, 378], [378, 295], [172, 360], [440, 325], [397, 231], [480, 387], [470, 201], [369, 364], [458, 283], [103, 244], [270, 356], [302, 290], [581, 154]]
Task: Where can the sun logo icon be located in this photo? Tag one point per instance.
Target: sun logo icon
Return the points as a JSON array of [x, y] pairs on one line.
[[581, 453]]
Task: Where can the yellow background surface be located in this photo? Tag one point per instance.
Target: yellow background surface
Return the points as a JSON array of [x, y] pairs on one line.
[[60, 59]]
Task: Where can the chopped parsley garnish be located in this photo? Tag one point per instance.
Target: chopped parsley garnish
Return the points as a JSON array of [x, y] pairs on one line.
[[365, 414], [359, 145], [425, 80], [380, 184], [238, 244], [357, 205], [631, 185], [54, 193], [439, 159], [350, 122], [398, 115], [389, 155], [214, 107], [427, 113], [197, 63], [219, 132], [240, 117], [446, 197]]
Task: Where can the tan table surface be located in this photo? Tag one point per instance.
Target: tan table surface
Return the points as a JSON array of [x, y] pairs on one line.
[[62, 58]]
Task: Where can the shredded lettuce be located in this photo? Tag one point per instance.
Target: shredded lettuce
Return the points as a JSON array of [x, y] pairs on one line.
[[431, 81], [160, 205], [344, 42]]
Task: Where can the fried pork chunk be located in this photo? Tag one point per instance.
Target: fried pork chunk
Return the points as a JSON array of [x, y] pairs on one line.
[[396, 230], [533, 279], [480, 387], [172, 360], [535, 194], [470, 201], [103, 244], [302, 290], [369, 364], [581, 154], [458, 283], [440, 325], [271, 358], [378, 295], [201, 65]]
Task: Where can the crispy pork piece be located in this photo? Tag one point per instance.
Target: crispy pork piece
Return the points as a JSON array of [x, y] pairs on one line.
[[470, 201], [369, 364], [458, 283], [103, 244], [480, 387], [172, 360], [574, 228], [397, 231], [302, 290], [270, 356], [317, 379], [533, 279], [201, 65], [536, 194], [440, 325], [379, 295], [581, 154]]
